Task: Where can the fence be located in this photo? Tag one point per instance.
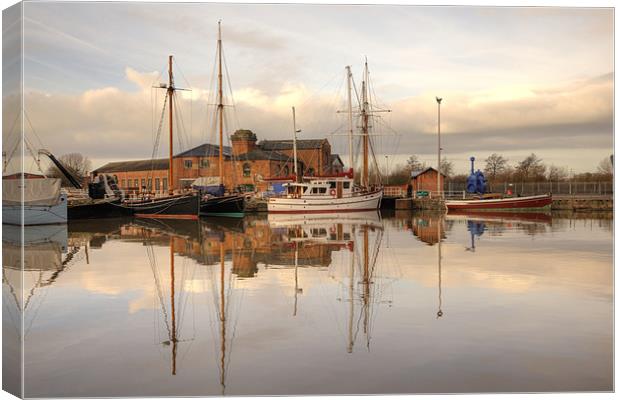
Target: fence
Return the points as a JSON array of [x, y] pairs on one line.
[[533, 188]]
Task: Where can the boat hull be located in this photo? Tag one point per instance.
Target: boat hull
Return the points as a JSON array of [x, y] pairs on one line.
[[178, 207], [512, 203], [98, 209], [36, 215], [224, 206], [364, 202]]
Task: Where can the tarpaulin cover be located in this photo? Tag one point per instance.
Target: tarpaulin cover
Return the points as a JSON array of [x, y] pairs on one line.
[[37, 192]]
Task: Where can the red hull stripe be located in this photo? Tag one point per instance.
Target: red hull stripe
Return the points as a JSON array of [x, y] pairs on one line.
[[525, 203], [168, 216]]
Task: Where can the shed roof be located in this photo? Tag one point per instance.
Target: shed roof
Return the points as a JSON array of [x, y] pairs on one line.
[[335, 158], [415, 174]]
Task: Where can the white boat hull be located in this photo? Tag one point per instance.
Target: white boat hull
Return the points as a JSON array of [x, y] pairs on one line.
[[362, 202], [36, 215]]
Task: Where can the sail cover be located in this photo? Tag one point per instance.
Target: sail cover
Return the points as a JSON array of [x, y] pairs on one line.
[[37, 191]]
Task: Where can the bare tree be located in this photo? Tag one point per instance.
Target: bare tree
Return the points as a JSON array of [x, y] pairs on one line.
[[447, 167], [496, 165], [77, 164], [414, 164], [557, 173], [531, 167], [605, 167]]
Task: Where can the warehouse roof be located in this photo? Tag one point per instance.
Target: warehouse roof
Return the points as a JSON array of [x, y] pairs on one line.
[[259, 154], [205, 149], [136, 165], [288, 144]]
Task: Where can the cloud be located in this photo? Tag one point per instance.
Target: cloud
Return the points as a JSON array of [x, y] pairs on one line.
[[144, 80], [108, 122]]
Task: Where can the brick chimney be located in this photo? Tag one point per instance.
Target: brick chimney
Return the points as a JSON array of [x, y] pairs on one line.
[[243, 141]]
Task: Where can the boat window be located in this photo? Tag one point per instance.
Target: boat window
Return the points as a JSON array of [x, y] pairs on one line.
[[346, 185], [323, 190], [332, 185], [315, 190], [247, 169]]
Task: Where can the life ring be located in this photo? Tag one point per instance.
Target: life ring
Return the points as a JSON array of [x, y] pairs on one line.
[[332, 192]]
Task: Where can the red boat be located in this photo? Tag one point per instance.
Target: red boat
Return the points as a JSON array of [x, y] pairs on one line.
[[507, 203]]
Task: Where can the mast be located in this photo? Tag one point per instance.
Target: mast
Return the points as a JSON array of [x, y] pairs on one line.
[[351, 305], [170, 94], [296, 280], [173, 309], [365, 125], [366, 282], [350, 109], [295, 146], [223, 321], [439, 223], [439, 191], [220, 103]]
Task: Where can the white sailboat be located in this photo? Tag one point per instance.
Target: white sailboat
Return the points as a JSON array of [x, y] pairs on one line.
[[335, 193], [33, 199]]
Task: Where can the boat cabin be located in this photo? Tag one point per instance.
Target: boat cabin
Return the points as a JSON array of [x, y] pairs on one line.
[[321, 188]]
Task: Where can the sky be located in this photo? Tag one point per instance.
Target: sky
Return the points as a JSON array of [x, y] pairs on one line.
[[513, 80]]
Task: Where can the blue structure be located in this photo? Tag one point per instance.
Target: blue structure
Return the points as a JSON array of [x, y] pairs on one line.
[[476, 182]]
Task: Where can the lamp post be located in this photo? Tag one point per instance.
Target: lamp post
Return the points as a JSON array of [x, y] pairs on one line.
[[439, 191]]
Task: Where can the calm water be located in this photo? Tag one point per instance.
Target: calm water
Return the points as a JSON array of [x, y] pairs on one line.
[[356, 304]]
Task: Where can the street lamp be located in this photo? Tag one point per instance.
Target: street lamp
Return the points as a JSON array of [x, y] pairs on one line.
[[439, 191]]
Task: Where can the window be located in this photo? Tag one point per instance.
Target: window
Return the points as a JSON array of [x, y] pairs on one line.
[[135, 183], [315, 190], [187, 164], [332, 185], [156, 183], [123, 183], [346, 185], [165, 183], [204, 162], [150, 183], [247, 169], [142, 183], [323, 190]]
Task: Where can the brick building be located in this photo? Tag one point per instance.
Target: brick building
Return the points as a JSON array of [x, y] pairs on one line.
[[246, 164], [315, 154], [426, 180]]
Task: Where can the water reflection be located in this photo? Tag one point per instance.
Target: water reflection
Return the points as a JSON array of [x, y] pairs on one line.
[[291, 294]]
